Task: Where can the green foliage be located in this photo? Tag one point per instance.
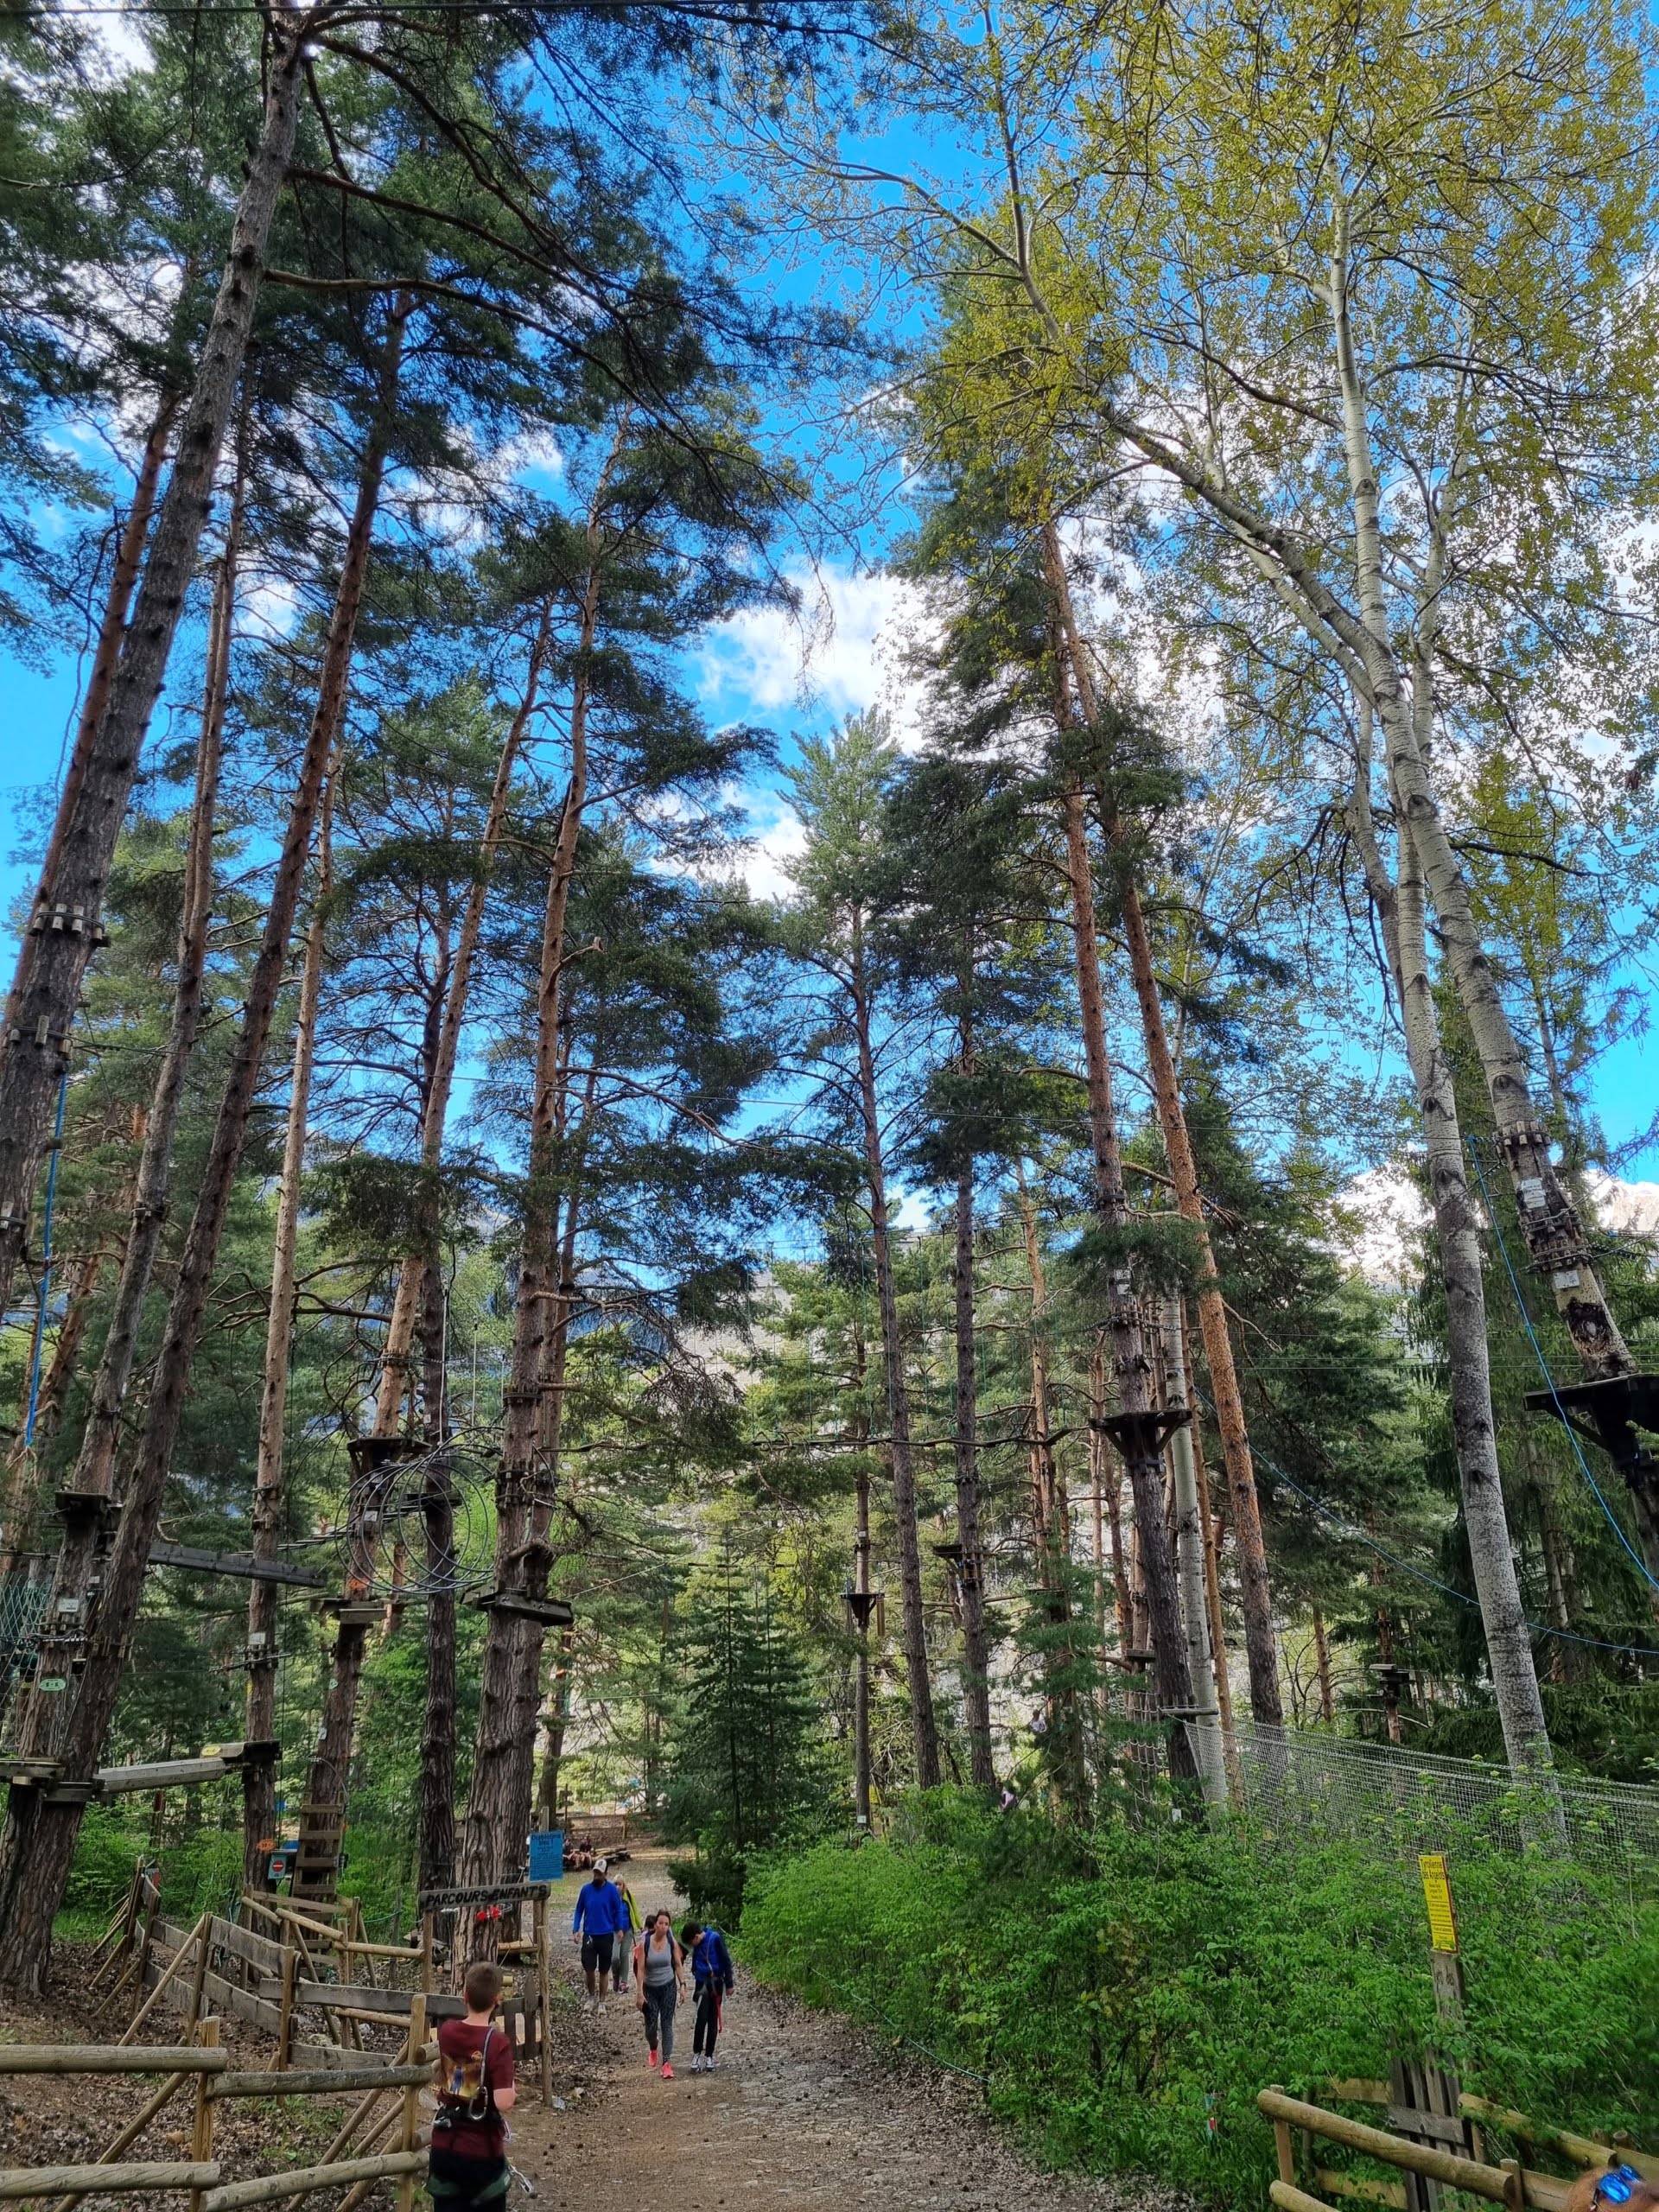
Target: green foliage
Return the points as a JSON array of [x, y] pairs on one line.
[[1126, 1999], [745, 1768]]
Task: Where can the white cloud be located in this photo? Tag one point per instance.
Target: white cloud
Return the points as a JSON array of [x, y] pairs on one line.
[[763, 865], [270, 610], [1392, 1213], [838, 656]]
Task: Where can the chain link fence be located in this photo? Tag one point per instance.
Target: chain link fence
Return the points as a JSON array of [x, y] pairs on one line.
[[1406, 1801]]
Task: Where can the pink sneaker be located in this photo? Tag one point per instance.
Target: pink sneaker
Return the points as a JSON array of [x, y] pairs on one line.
[[654, 2058], [668, 2071]]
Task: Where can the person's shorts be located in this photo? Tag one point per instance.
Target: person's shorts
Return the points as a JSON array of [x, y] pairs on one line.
[[596, 1953], [456, 2184]]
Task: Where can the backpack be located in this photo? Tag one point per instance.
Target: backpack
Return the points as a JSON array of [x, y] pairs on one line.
[[454, 2106]]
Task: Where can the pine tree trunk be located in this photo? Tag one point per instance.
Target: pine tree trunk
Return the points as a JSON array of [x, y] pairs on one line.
[[924, 1727], [112, 629], [860, 1438], [975, 1687], [437, 1785], [91, 1486], [525, 1484], [48, 1410], [1322, 1660], [547, 1791], [38, 1843], [1402, 918], [435, 1110], [1210, 1525], [532, 1635], [1049, 1538], [1255, 1593], [1189, 1557], [35, 1048], [259, 1777], [1135, 1429]]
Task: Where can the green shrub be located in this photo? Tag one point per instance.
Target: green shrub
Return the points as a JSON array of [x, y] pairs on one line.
[[1125, 1999]]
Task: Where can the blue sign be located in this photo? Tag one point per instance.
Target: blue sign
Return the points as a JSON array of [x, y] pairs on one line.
[[547, 1855]]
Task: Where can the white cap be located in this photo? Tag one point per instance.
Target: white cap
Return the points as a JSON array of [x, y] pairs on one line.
[[601, 1865]]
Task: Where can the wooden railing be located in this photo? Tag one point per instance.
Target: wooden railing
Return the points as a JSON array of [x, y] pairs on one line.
[[1509, 2183], [203, 2067], [313, 1971]]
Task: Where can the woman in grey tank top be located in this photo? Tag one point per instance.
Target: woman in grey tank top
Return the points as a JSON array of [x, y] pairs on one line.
[[660, 1978]]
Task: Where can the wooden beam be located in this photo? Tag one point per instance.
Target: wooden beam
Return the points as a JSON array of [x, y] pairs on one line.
[[160, 1774], [1489, 2182], [322, 2081], [106, 2181], [300, 2181], [241, 1565], [110, 2058]]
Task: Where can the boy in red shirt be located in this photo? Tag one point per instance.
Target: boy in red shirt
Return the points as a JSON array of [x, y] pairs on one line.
[[468, 2162]]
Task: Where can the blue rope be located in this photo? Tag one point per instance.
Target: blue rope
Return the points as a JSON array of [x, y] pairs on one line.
[[1419, 1575], [1637, 1559]]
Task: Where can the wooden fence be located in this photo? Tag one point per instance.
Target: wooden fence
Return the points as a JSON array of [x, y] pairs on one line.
[[1428, 2167], [327, 1997], [200, 2068]]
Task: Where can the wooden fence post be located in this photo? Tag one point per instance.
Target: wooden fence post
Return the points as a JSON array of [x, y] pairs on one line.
[[410, 2138], [149, 2004], [201, 2140], [1285, 2147], [543, 2022], [204, 1934], [285, 2021]]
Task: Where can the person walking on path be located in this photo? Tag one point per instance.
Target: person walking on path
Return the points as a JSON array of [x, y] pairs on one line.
[[627, 1936], [595, 1925], [468, 2165], [659, 1977], [714, 1981]]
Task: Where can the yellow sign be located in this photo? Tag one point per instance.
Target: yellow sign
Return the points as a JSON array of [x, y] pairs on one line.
[[1437, 1895]]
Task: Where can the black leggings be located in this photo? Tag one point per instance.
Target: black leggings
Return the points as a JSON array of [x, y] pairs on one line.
[[706, 2027]]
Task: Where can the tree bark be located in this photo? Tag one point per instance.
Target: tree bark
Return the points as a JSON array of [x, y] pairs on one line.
[[1255, 1593], [437, 1785], [924, 1727], [547, 1790], [1402, 918], [1556, 1242], [528, 1473], [435, 1110], [38, 1840], [1210, 1525], [975, 1687], [35, 1047], [1190, 1560], [112, 631], [91, 1484], [1553, 1227], [1135, 1429], [1050, 1537], [532, 1635], [259, 1777], [1322, 1662]]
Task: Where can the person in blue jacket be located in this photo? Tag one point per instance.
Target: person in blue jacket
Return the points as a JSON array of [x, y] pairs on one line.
[[714, 1980], [600, 1916]]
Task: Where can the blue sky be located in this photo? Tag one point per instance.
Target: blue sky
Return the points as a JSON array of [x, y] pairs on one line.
[[793, 676]]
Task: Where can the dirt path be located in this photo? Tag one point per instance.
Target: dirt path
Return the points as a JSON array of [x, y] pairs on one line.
[[803, 2114]]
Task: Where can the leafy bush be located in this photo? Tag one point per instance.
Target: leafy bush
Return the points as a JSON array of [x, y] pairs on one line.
[[1126, 1999]]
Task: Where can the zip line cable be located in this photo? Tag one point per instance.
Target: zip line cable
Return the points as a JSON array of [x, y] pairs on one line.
[[1613, 1521]]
